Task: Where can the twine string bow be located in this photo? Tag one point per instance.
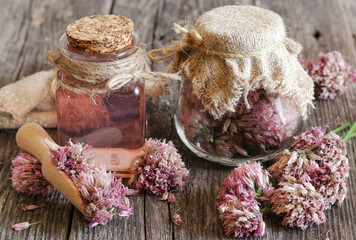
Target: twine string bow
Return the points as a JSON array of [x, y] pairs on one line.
[[101, 77], [190, 38]]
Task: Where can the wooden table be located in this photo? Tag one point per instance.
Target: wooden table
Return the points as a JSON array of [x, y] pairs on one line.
[[29, 28]]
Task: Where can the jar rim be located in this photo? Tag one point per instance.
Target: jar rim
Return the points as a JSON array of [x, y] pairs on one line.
[[73, 53]]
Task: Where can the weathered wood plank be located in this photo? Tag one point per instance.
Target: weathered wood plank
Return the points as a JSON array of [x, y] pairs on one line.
[[159, 225], [349, 8], [153, 20], [321, 26], [29, 29], [15, 20]]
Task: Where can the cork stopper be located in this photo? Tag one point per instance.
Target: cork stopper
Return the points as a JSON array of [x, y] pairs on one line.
[[100, 33]]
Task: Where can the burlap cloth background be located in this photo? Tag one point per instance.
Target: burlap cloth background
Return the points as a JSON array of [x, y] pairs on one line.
[[29, 100]]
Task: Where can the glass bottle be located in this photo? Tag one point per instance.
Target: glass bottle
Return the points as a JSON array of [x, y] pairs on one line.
[[114, 119]]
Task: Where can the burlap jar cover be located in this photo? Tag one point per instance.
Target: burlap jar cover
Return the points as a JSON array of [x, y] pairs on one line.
[[232, 50]]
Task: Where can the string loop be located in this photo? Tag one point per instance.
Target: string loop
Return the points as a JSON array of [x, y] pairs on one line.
[[101, 77]]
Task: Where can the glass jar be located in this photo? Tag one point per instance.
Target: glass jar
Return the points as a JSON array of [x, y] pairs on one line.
[[113, 119], [253, 133], [244, 93]]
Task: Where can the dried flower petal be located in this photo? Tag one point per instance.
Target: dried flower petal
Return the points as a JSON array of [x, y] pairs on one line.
[[177, 219], [31, 207], [171, 198], [22, 226], [164, 196], [160, 170], [27, 176], [132, 192]]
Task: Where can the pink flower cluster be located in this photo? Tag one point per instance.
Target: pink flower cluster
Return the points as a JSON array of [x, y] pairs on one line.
[[73, 158], [311, 176], [160, 170], [333, 172], [299, 203], [27, 176], [103, 196], [332, 75], [326, 167], [240, 199], [321, 167], [249, 130]]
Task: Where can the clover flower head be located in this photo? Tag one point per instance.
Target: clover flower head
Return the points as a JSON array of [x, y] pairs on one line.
[[73, 158], [103, 196], [240, 198], [27, 176], [160, 169], [332, 75], [326, 167], [299, 204]]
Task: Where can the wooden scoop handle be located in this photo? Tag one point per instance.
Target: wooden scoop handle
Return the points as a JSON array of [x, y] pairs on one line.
[[32, 138]]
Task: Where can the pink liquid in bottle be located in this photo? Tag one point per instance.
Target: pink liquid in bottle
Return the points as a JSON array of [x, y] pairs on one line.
[[107, 120]]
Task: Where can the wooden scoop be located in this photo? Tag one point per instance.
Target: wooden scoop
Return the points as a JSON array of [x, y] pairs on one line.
[[31, 139]]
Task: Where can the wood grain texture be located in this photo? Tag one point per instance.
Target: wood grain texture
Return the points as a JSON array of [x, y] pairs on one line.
[[32, 27], [15, 20]]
